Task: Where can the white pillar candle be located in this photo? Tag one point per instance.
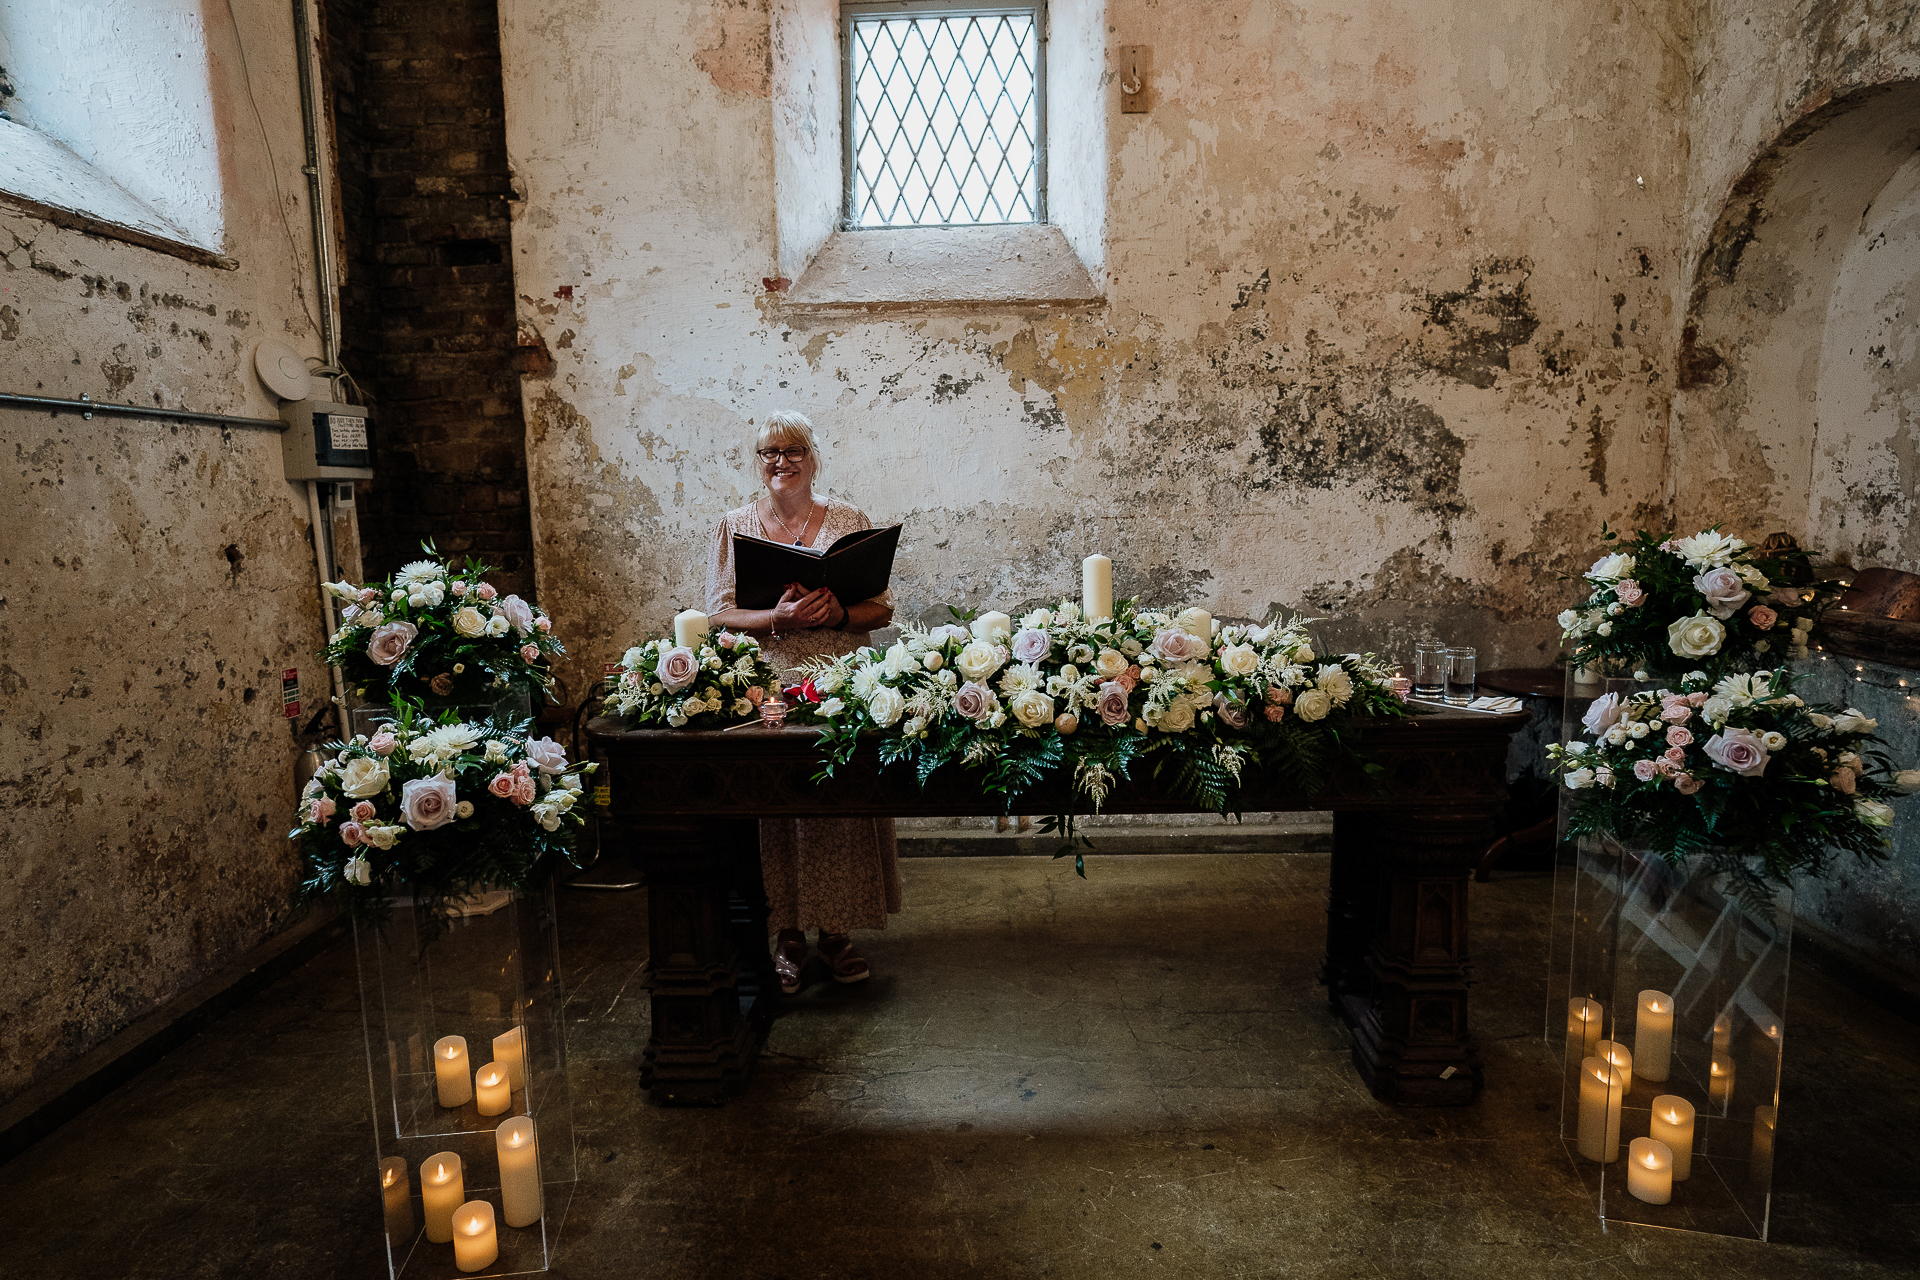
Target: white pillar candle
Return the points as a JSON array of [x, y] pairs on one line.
[[1673, 1125], [1583, 1027], [475, 1243], [510, 1051], [521, 1197], [1198, 622], [492, 1091], [1601, 1092], [1096, 588], [993, 627], [396, 1195], [451, 1075], [1760, 1168], [1620, 1057], [1653, 1036], [1649, 1171], [442, 1189], [689, 627], [1720, 1079], [1723, 1032]]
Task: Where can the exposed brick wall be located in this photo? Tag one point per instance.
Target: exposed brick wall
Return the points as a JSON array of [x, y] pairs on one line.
[[428, 302]]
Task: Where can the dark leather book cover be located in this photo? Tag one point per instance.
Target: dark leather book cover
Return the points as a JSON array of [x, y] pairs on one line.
[[855, 568]]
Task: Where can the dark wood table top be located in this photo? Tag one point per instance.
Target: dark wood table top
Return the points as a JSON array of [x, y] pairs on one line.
[[1538, 682]]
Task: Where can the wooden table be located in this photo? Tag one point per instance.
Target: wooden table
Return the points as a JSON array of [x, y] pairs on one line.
[[1398, 961]]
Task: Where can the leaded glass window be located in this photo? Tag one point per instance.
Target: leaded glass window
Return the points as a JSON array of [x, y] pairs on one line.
[[943, 111]]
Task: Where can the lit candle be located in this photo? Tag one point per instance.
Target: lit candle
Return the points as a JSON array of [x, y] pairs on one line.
[[1096, 588], [1602, 1089], [1649, 1171], [1723, 1032], [491, 1090], [1760, 1169], [1653, 1036], [1583, 1027], [1622, 1059], [442, 1188], [510, 1051], [1720, 1079], [397, 1197], [519, 1152], [450, 1074], [1673, 1125], [689, 628], [475, 1243]]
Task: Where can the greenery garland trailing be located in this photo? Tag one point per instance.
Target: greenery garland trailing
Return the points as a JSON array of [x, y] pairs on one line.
[[1088, 703]]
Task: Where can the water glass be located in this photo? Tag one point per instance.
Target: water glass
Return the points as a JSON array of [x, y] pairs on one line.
[[1459, 664], [1429, 674]]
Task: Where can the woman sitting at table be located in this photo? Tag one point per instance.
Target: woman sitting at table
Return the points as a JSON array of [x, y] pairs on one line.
[[830, 874]]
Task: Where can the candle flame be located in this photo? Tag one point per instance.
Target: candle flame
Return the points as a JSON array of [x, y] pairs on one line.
[[389, 1178], [1673, 1117], [473, 1225], [1651, 1160], [1654, 1006], [440, 1172]]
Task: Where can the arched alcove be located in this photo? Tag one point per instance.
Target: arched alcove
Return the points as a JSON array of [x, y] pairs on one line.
[[1799, 371]]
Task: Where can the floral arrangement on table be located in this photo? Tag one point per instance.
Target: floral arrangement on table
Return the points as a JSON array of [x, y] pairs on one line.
[[1664, 606], [1733, 768], [1091, 700], [440, 808], [721, 677], [436, 630]]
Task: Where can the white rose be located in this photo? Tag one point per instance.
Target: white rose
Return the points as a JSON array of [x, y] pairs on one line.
[[1569, 619], [1312, 705], [364, 777], [1110, 663], [1032, 708], [1333, 678], [382, 837], [832, 707], [470, 622], [496, 626], [1038, 619], [978, 661], [1611, 568], [1235, 660], [885, 706], [1580, 779], [549, 755], [914, 727], [1178, 717], [1696, 637]]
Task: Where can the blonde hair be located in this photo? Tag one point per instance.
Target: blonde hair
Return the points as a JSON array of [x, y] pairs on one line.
[[786, 429]]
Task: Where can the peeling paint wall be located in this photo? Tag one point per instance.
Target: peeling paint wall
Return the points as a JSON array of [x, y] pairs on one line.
[[1391, 301], [154, 581]]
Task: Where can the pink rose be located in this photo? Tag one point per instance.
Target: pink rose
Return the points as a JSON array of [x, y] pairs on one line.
[[1696, 699], [523, 791], [973, 701], [521, 769], [322, 808], [548, 754], [1171, 644], [543, 624], [382, 743], [1762, 617], [1674, 756], [458, 588], [427, 803], [503, 785], [727, 639], [1628, 592], [755, 694], [1678, 737], [530, 653], [1665, 767], [1279, 695], [1113, 703], [363, 812], [1603, 714], [518, 613], [1677, 713], [1644, 770], [1738, 751], [485, 591], [1233, 714], [1032, 645], [388, 644], [1686, 784], [1128, 679], [352, 834], [367, 596], [677, 668], [1276, 714], [1724, 592], [1842, 780]]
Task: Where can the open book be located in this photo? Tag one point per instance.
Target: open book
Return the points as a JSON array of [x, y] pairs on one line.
[[855, 568]]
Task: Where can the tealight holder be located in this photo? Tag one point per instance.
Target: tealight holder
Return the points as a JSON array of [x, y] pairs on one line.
[[773, 713]]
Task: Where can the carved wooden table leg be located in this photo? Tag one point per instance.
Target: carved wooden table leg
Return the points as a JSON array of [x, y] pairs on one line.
[[702, 1043], [1411, 1040], [1353, 909]]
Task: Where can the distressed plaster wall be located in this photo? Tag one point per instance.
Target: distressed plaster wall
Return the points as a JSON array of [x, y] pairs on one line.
[[1390, 311], [154, 581]]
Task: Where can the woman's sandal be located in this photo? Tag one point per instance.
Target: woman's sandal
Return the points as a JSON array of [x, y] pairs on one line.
[[789, 957], [846, 964]]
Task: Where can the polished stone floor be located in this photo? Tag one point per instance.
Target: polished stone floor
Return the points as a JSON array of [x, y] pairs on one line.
[[1130, 1074]]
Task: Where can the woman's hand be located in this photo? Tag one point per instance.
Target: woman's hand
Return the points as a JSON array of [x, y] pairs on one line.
[[803, 610]]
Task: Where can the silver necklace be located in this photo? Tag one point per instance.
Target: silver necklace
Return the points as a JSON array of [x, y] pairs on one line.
[[801, 538]]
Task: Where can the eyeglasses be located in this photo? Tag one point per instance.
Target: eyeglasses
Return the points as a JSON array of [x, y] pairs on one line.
[[795, 454]]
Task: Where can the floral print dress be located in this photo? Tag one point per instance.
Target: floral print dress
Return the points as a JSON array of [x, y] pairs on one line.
[[834, 874]]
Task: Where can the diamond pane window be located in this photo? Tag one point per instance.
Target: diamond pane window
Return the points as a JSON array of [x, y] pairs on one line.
[[943, 115]]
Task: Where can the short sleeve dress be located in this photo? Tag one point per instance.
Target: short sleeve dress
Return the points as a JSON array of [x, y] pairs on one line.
[[834, 874]]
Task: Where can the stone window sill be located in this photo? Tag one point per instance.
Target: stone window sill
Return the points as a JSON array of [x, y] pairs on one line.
[[1030, 264], [42, 178]]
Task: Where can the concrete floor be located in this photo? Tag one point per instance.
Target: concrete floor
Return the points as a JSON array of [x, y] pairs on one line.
[[1132, 1074]]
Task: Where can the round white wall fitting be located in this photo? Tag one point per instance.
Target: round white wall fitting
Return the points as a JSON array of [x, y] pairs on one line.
[[282, 369]]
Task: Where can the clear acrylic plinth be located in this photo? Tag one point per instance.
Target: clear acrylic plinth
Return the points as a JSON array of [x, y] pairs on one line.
[[514, 705], [1670, 963], [492, 972]]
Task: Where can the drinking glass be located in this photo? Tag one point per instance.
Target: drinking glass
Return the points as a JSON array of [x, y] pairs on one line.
[[1459, 664], [1429, 674]]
